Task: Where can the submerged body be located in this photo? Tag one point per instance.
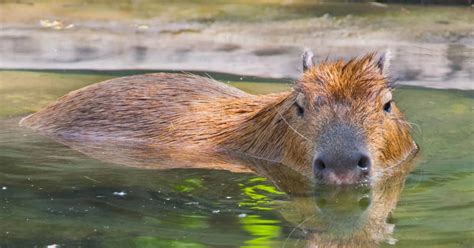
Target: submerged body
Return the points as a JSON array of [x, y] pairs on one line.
[[329, 123]]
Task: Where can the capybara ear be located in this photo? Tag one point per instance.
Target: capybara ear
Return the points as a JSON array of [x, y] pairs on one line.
[[307, 60], [384, 62]]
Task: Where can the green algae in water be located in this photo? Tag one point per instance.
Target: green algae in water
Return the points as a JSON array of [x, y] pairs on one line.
[[51, 194]]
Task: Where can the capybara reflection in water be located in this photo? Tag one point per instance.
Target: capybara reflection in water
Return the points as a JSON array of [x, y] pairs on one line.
[[338, 120]]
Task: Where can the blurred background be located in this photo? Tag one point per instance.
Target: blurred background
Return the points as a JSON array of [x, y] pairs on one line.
[[431, 40]]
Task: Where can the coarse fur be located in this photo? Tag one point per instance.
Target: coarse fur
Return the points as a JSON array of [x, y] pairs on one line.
[[188, 112]]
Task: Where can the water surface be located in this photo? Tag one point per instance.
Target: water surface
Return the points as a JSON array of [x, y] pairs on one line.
[[52, 194]]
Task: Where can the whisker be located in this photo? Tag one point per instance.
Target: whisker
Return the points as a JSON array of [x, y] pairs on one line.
[[418, 127], [411, 124], [387, 170], [292, 128], [296, 227]]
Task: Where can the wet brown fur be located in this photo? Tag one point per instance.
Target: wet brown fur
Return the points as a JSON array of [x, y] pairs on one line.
[[189, 112]]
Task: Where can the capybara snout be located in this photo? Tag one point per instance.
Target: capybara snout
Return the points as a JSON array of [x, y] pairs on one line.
[[341, 156]]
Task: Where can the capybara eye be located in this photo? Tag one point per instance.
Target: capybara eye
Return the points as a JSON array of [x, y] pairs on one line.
[[299, 109], [387, 107], [299, 102]]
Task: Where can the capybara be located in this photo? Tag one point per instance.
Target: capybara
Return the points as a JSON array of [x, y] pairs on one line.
[[338, 120]]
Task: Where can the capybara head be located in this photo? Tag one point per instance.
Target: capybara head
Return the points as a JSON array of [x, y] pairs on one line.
[[351, 129]]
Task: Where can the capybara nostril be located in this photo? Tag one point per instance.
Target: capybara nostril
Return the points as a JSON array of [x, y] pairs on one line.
[[342, 160], [364, 162], [344, 167], [319, 164]]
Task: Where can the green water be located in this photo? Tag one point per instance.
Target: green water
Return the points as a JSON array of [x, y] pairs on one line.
[[51, 194]]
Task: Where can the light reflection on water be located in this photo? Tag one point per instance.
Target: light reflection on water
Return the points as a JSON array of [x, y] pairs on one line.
[[51, 194]]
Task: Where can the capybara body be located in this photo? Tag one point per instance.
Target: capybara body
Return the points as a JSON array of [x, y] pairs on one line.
[[338, 120]]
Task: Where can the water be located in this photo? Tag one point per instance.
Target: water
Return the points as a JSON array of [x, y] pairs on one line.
[[51, 194]]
